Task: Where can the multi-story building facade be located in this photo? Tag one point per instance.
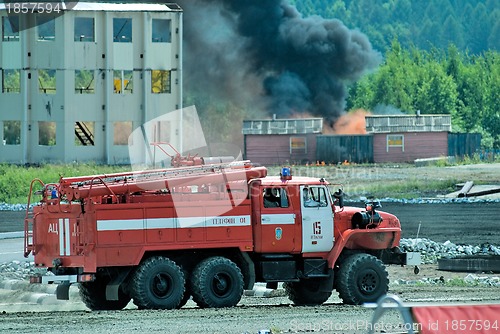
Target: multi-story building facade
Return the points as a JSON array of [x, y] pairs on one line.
[[76, 84]]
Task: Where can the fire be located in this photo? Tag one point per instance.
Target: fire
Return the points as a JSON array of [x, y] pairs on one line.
[[351, 123]]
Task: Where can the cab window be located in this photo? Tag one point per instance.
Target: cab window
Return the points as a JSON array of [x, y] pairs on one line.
[[314, 197], [275, 198]]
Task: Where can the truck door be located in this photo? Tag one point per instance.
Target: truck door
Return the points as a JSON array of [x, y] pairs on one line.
[[277, 221], [317, 219]]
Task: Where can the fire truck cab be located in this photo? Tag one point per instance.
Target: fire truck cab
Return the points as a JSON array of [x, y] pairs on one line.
[[208, 232]]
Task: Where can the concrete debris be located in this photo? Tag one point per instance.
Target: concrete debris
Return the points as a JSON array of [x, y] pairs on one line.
[[431, 251]]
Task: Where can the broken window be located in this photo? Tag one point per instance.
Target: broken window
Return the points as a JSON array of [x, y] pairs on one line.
[[122, 131], [122, 30], [11, 81], [84, 29], [122, 82], [162, 31], [47, 133], [12, 132], [46, 27], [84, 133], [10, 28], [84, 82], [160, 82], [298, 145], [47, 81]]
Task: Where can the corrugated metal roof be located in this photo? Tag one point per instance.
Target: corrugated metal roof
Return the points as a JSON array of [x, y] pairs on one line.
[[118, 7], [283, 126], [408, 123]]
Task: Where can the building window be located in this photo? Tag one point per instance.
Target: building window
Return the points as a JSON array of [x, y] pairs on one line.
[[84, 82], [11, 81], [122, 131], [46, 133], [122, 30], [47, 81], [46, 27], [160, 82], [122, 82], [10, 28], [84, 29], [298, 145], [12, 132], [84, 133], [162, 31], [396, 141]]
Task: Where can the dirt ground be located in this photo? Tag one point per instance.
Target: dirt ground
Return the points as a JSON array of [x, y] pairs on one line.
[[468, 223], [252, 315]]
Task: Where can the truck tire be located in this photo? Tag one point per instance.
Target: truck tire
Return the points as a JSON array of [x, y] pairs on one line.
[[216, 282], [306, 292], [362, 278], [93, 295], [158, 283], [187, 291]]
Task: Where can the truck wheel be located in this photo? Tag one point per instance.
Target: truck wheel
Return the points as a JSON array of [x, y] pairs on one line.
[[306, 292], [217, 282], [362, 278], [158, 283], [187, 291], [93, 295]]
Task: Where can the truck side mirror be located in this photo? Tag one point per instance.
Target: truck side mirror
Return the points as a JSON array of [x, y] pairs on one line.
[[339, 196]]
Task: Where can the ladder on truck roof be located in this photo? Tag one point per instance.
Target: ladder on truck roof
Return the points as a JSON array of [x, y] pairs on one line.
[[74, 188]]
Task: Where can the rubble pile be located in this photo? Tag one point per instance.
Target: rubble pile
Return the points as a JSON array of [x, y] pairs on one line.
[[469, 280], [431, 251], [19, 270]]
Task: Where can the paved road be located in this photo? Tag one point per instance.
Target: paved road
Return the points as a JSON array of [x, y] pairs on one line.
[[12, 249]]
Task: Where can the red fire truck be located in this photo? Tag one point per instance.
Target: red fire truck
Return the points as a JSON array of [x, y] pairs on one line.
[[207, 231]]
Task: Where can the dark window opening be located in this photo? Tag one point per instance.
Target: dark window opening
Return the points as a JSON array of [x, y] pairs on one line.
[[84, 133], [47, 81], [11, 81], [84, 29], [46, 133], [84, 82], [162, 31], [46, 27], [122, 30], [11, 132], [10, 28]]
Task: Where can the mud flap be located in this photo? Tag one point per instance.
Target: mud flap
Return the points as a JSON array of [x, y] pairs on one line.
[[113, 287], [62, 290]]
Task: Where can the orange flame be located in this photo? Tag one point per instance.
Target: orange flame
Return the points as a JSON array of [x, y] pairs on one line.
[[351, 123]]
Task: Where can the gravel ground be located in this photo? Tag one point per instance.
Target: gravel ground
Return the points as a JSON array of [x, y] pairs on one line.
[[34, 309]]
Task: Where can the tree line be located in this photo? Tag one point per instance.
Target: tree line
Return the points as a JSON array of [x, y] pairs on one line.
[[436, 82], [472, 25]]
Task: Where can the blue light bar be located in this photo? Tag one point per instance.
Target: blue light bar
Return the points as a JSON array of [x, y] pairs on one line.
[[286, 173]]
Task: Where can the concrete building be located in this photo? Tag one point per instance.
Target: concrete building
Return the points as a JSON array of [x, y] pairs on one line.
[[74, 85]]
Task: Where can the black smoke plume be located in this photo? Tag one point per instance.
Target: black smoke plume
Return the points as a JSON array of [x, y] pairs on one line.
[[263, 53]]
